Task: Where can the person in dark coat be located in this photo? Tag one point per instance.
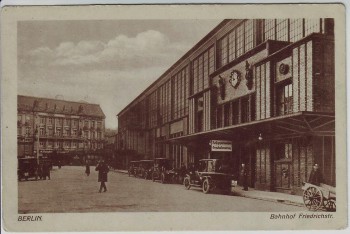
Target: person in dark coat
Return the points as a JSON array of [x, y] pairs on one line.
[[316, 176], [46, 170], [244, 176], [102, 169], [87, 168]]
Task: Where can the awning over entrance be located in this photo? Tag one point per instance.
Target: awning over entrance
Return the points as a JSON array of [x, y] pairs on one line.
[[286, 126]]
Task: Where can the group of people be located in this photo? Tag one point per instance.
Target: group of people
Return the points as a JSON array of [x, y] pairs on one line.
[[103, 170]]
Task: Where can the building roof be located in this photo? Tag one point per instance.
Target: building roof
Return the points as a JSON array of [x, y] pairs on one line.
[[55, 106]]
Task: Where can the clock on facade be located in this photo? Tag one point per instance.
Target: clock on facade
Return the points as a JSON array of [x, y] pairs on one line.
[[235, 78]]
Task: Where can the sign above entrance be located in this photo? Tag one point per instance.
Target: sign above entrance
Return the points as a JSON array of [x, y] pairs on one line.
[[221, 145]]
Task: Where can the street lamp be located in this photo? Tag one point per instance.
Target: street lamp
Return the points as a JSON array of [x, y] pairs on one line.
[[38, 144]]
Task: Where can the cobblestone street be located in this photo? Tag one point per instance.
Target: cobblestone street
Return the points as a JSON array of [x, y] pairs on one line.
[[70, 190]]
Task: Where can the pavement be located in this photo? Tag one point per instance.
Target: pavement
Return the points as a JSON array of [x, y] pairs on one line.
[[70, 190], [284, 198]]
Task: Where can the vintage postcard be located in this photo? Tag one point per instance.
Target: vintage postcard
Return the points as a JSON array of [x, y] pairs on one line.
[[173, 117]]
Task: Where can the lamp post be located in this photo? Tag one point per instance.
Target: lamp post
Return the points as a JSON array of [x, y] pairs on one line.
[[38, 144]]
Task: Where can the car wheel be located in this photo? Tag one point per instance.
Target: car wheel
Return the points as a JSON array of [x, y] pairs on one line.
[[187, 183], [206, 186], [163, 178]]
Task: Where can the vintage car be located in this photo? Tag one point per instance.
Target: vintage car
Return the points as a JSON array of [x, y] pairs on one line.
[[133, 168], [145, 169], [209, 176], [27, 168], [163, 170]]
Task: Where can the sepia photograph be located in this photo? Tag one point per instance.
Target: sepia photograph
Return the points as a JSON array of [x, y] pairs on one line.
[[178, 115]]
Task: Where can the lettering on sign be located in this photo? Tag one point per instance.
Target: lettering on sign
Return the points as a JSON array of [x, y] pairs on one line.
[[221, 145]]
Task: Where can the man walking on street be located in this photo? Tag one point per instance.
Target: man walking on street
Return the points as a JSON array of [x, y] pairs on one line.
[[87, 168], [102, 169]]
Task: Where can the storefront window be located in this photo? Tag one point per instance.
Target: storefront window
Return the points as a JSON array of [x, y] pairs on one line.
[[227, 114]]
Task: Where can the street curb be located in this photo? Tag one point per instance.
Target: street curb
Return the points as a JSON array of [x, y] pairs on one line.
[[276, 200]]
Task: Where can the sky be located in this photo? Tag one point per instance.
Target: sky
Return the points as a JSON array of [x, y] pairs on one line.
[[104, 62]]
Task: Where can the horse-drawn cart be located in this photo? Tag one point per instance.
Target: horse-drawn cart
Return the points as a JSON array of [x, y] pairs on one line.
[[317, 197]]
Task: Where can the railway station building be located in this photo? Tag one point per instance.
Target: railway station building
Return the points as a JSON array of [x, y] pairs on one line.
[[253, 91]]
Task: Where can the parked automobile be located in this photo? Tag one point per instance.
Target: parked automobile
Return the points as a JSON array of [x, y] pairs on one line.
[[145, 169], [209, 176], [180, 174], [133, 168], [163, 170], [27, 168]]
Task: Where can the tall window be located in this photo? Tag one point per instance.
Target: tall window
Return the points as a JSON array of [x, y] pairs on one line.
[[235, 112], [227, 114], [291, 30], [248, 34], [50, 120], [42, 120], [41, 131], [153, 112], [232, 45], [27, 131], [236, 42], [282, 30], [199, 121], [202, 66], [284, 151], [180, 86], [240, 40], [269, 29], [245, 110], [312, 25], [165, 101], [296, 29], [285, 100]]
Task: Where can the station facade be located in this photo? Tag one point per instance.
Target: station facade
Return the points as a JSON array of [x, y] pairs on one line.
[[253, 91]]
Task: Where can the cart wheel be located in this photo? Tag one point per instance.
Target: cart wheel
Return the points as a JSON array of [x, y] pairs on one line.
[[206, 186], [313, 198], [187, 183], [330, 205]]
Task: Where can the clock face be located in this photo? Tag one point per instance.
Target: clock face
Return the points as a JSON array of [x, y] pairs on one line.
[[235, 78]]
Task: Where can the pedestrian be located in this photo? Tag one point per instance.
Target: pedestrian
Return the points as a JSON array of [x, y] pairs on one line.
[[316, 176], [87, 168], [59, 164], [102, 169], [46, 170], [244, 177], [40, 171]]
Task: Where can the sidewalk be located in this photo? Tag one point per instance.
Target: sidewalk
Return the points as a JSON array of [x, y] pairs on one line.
[[269, 196], [260, 195]]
